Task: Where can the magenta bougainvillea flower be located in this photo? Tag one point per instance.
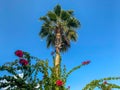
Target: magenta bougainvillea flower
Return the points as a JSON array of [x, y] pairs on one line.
[[59, 83], [23, 62], [105, 82], [19, 53], [86, 62]]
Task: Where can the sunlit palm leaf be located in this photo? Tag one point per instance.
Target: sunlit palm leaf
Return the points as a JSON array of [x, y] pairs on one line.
[[71, 35], [70, 12], [52, 16]]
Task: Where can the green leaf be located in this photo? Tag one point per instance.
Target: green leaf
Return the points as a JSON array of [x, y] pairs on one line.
[[71, 35], [52, 16], [44, 18], [70, 12], [65, 15], [50, 40], [74, 23], [57, 10]]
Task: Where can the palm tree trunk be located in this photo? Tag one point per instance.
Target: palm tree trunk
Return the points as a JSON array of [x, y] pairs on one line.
[[58, 42], [57, 59]]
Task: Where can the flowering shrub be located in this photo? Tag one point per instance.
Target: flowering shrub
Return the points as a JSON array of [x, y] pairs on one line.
[[37, 75], [40, 76]]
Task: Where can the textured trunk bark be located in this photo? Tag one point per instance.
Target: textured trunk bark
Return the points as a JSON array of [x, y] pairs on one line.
[[58, 42], [57, 65], [57, 59]]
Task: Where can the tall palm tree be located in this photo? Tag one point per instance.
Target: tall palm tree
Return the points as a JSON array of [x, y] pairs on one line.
[[59, 28]]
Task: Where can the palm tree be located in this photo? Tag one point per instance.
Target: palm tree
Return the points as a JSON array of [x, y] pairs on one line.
[[59, 28]]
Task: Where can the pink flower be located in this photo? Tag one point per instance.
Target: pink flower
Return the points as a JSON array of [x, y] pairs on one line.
[[105, 82], [19, 53], [59, 83], [23, 62], [86, 62]]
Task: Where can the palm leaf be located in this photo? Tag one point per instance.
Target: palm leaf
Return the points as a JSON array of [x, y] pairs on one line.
[[65, 15], [70, 12], [52, 16], [74, 23], [71, 35], [50, 40], [57, 10], [44, 32], [44, 18], [65, 44]]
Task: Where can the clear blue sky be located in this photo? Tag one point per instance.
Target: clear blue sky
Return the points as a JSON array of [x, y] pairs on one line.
[[98, 36]]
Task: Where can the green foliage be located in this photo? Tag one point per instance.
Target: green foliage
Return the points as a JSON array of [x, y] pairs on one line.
[[36, 75], [16, 82], [102, 84]]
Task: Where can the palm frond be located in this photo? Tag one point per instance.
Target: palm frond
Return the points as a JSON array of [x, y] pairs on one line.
[[46, 29], [44, 32], [50, 40], [65, 15], [44, 18], [52, 16], [70, 12], [71, 35], [65, 44], [64, 48], [57, 10], [72, 22]]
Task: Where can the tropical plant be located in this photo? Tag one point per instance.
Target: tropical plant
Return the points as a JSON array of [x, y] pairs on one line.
[[59, 28], [102, 84], [30, 73]]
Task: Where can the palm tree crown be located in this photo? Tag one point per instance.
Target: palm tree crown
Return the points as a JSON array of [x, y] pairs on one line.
[[59, 28]]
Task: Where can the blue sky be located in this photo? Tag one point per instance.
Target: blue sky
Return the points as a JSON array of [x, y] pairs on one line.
[[98, 39]]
